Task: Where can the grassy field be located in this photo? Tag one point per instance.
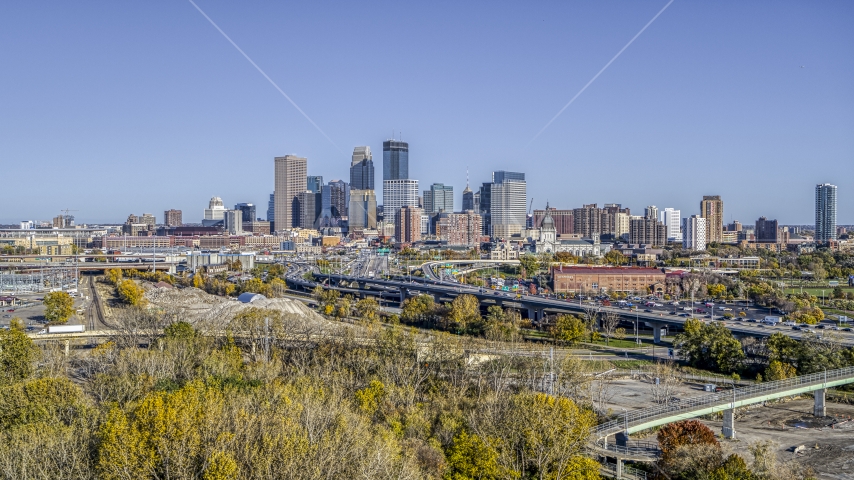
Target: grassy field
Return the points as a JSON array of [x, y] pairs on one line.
[[817, 290]]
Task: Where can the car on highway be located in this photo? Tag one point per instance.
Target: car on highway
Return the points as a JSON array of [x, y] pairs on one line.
[[647, 310], [753, 320], [7, 316], [674, 313], [846, 329], [796, 327]]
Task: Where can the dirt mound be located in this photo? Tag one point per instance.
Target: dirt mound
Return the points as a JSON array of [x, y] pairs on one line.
[[210, 311]]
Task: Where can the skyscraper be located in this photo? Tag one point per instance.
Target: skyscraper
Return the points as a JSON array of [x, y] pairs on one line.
[[712, 209], [271, 207], [247, 211], [766, 231], [468, 200], [694, 233], [397, 194], [362, 169], [362, 212], [290, 181], [395, 160], [439, 198], [314, 183], [334, 203], [825, 212], [508, 206], [484, 196], [309, 209], [672, 219], [214, 213]]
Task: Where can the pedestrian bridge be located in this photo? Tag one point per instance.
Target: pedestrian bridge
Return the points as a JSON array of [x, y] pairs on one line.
[[692, 407]]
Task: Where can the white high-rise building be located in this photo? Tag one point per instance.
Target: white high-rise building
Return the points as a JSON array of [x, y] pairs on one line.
[[672, 220], [508, 204], [825, 212], [215, 212], [694, 230], [396, 194]]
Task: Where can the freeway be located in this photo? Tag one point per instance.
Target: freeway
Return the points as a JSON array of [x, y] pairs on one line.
[[536, 305]]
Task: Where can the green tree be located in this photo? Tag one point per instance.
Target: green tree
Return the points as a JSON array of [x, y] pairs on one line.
[[418, 309], [180, 330], [530, 264], [18, 354], [470, 458], [565, 257], [778, 370], [568, 329], [710, 346], [717, 290], [114, 276], [58, 307]]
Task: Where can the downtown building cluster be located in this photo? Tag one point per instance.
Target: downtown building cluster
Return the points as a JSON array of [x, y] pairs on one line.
[[304, 212]]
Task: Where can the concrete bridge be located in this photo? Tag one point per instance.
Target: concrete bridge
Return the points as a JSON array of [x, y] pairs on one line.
[[726, 402]]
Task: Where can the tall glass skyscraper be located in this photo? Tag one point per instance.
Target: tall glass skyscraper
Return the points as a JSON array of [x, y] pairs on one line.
[[395, 160], [362, 169], [825, 212]]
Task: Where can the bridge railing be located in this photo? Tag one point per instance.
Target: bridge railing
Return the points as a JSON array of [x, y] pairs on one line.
[[634, 449], [678, 405]]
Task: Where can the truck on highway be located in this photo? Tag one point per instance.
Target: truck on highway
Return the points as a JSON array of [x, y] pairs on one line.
[[771, 320], [63, 329]]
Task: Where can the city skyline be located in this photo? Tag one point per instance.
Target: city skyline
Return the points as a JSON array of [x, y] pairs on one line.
[[682, 109]]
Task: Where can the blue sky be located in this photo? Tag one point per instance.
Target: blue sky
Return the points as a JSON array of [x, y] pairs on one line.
[[111, 108]]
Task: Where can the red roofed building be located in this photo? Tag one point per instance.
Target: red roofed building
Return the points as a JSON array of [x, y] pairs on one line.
[[593, 280]]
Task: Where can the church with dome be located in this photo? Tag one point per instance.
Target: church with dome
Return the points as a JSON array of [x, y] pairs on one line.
[[549, 242]]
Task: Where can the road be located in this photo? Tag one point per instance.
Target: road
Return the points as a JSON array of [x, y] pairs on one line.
[[663, 314]]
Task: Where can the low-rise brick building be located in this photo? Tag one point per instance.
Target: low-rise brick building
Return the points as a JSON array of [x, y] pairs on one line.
[[594, 280]]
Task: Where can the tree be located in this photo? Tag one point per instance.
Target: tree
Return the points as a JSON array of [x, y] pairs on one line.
[[716, 290], [470, 458], [17, 354], [367, 309], [615, 257], [778, 370], [686, 432], [180, 330], [530, 264], [610, 320], [665, 381], [568, 329], [710, 347], [418, 309], [130, 293], [464, 313], [58, 307], [114, 276], [565, 257]]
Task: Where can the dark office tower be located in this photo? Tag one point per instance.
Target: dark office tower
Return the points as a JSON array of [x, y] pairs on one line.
[[314, 183], [247, 211], [766, 230], [468, 200], [825, 213], [271, 205], [309, 209], [395, 160], [362, 169], [485, 206]]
